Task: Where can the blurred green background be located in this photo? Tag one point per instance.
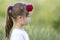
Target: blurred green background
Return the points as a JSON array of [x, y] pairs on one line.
[[45, 19]]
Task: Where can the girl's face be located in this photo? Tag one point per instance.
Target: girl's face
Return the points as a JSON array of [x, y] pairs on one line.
[[26, 20]]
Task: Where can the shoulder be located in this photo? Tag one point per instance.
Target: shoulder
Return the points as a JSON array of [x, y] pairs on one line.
[[26, 35], [16, 35], [16, 32]]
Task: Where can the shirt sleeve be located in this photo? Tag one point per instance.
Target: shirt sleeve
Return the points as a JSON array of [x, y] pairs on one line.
[[16, 36]]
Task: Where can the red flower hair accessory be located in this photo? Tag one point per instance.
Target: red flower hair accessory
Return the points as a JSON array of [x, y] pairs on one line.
[[29, 7]]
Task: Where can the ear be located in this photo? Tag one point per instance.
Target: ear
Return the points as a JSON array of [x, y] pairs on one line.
[[20, 17]]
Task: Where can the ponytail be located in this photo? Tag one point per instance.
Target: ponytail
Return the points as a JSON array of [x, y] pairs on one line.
[[9, 23]]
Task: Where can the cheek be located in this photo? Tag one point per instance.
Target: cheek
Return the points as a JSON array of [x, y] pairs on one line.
[[27, 20]]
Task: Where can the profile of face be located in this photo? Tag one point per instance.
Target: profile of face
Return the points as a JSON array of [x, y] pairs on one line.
[[27, 20], [24, 20], [20, 13]]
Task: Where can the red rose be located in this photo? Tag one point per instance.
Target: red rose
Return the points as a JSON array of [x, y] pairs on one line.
[[29, 8]]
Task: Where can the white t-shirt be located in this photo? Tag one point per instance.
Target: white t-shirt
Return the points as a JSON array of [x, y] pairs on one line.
[[18, 34]]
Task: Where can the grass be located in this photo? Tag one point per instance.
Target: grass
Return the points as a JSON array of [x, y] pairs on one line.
[[2, 22]]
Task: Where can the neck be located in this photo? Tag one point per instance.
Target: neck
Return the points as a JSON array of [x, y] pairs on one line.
[[17, 25]]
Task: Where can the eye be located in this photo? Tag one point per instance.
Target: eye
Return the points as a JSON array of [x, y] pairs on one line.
[[28, 15]]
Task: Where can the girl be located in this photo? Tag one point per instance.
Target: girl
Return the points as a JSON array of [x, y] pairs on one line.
[[17, 16]]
